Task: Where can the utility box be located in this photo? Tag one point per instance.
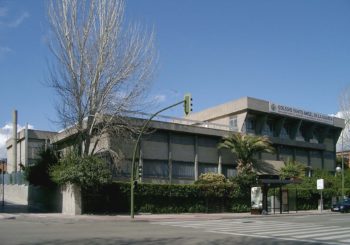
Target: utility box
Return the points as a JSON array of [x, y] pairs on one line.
[[256, 197]]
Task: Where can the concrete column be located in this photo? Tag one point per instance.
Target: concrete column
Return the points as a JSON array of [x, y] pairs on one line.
[[196, 158], [220, 164], [14, 141], [295, 129], [322, 159], [71, 199], [196, 167], [170, 159], [26, 147], [278, 127]]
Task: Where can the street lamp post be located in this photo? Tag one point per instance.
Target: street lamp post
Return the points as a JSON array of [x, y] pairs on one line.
[[135, 151], [342, 164]]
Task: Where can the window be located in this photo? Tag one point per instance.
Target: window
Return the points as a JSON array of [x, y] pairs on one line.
[[233, 125], [155, 168], [229, 171], [268, 128], [207, 168], [183, 170], [250, 125]]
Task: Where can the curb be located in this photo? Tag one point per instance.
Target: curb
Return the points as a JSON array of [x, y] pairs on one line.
[[160, 217]]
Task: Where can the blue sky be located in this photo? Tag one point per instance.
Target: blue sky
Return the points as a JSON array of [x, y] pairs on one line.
[[292, 52]]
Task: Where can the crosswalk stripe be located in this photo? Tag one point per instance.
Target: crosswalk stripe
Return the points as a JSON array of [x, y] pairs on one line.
[[250, 228], [321, 234], [260, 228], [336, 237], [304, 231], [296, 231], [283, 238], [257, 229]]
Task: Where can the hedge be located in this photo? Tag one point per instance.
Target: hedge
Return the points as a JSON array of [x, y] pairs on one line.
[[160, 198]]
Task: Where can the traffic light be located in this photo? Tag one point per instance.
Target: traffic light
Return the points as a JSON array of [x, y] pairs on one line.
[[140, 170], [135, 184], [187, 104]]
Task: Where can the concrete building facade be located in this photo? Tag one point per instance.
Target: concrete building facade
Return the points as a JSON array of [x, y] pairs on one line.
[[303, 136], [179, 150], [29, 144]]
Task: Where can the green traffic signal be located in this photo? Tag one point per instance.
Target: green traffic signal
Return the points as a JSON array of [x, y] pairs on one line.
[[140, 171], [187, 104]]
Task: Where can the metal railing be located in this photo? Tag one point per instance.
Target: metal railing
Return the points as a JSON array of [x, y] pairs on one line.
[[182, 121], [13, 179]]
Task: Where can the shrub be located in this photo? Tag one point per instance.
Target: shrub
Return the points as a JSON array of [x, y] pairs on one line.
[[161, 198], [86, 171], [38, 174], [211, 178], [292, 169]]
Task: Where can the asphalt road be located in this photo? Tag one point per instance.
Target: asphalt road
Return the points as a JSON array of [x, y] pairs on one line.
[[38, 229]]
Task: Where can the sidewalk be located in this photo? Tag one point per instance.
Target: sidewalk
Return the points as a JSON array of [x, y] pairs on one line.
[[160, 217]]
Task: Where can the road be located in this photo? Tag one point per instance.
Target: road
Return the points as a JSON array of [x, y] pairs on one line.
[[262, 230], [322, 229]]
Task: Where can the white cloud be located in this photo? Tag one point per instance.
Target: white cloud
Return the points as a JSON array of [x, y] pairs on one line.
[[5, 134], [160, 98], [15, 23], [3, 11], [5, 50]]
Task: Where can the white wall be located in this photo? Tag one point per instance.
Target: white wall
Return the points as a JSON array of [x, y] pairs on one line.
[[71, 200], [16, 194]]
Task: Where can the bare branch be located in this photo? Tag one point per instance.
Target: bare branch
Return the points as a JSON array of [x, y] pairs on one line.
[[103, 66]]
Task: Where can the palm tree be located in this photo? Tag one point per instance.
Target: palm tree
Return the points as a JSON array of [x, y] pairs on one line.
[[244, 146], [292, 169]]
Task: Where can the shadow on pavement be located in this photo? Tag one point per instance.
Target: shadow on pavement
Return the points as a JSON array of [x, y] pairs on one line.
[[164, 241], [8, 207]]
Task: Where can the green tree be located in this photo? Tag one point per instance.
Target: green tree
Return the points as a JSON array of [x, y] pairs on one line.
[[85, 171], [292, 169], [244, 147], [38, 174]]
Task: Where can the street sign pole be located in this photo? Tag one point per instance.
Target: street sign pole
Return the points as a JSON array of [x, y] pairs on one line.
[[132, 178], [320, 186]]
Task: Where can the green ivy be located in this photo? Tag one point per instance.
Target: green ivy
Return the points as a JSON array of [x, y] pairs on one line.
[[86, 171]]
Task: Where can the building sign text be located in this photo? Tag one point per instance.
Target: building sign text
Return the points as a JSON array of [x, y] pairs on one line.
[[294, 112]]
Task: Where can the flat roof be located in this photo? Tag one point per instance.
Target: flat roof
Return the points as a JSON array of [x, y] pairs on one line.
[[248, 103]]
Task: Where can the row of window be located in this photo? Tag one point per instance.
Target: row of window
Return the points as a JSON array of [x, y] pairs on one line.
[[185, 170], [269, 129]]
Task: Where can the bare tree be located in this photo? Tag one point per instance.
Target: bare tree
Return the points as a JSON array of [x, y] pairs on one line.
[[103, 66], [344, 105]]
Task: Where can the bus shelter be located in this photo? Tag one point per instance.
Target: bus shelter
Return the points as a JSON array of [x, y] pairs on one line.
[[271, 196]]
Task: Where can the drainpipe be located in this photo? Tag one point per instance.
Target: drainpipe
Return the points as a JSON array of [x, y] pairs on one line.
[[14, 141]]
